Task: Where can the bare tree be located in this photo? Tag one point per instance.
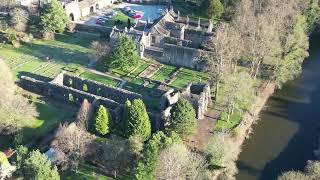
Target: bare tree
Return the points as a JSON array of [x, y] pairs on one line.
[[99, 50], [15, 108], [84, 114], [177, 162], [71, 144], [19, 18]]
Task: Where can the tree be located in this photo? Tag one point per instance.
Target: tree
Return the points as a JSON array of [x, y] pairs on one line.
[[38, 166], [100, 50], [54, 18], [84, 114], [145, 169], [102, 121], [313, 14], [239, 92], [177, 162], [15, 109], [311, 171], [295, 51], [125, 54], [21, 156], [71, 144], [19, 18], [183, 118], [226, 47], [138, 123], [213, 8]]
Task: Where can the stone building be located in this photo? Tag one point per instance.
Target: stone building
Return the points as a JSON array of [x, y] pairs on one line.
[[172, 39], [76, 9]]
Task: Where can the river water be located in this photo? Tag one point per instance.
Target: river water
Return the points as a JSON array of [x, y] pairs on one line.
[[286, 135]]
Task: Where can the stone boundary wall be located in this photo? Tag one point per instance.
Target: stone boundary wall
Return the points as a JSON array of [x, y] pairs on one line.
[[116, 94]]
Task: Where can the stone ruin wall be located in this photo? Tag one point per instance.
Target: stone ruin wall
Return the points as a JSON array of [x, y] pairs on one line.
[[182, 56], [116, 94], [199, 95], [61, 89]]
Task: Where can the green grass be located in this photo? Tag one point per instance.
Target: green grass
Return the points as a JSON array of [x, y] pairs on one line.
[[224, 125], [163, 73], [99, 78], [66, 50], [141, 68], [50, 116], [123, 18], [186, 76], [85, 172]]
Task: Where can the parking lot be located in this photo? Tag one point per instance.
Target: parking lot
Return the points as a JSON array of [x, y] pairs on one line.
[[119, 14]]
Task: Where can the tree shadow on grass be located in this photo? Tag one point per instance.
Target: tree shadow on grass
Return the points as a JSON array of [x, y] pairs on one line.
[[55, 54]]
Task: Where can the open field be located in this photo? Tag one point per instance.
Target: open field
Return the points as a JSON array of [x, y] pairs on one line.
[[85, 172]]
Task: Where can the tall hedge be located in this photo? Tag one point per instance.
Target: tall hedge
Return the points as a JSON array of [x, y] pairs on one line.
[[102, 121], [137, 120], [183, 118]]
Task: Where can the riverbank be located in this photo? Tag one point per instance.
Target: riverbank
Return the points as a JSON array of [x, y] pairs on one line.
[[244, 129]]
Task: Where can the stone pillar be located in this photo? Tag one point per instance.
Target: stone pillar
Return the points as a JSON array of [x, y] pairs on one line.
[[188, 21], [210, 27], [125, 29], [198, 27], [178, 18], [182, 32]]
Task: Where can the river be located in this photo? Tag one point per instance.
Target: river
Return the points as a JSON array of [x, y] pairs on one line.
[[286, 134]]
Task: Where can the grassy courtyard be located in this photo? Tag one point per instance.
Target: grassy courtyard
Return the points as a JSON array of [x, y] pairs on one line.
[[120, 20]]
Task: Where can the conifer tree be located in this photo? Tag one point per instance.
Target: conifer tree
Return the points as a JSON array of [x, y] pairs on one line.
[[102, 121], [183, 117], [138, 123]]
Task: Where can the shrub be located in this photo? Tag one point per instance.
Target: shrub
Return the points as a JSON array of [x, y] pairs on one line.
[[183, 119], [102, 121]]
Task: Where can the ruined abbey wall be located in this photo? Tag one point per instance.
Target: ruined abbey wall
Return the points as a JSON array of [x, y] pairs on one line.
[[92, 87], [198, 95], [74, 89]]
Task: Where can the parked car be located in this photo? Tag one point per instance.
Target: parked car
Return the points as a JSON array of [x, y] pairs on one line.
[[100, 21]]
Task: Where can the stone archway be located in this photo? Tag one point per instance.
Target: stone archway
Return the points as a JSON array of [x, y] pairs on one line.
[[71, 17], [97, 6], [91, 10]]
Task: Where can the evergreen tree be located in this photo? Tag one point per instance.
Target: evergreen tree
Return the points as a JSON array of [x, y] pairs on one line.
[[125, 54], [212, 8], [38, 166], [54, 17], [183, 117], [102, 121], [137, 120]]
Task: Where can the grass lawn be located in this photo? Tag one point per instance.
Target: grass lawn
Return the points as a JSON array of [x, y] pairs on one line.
[[66, 50], [224, 125], [85, 172], [99, 78], [50, 116], [163, 73], [120, 20], [186, 76]]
